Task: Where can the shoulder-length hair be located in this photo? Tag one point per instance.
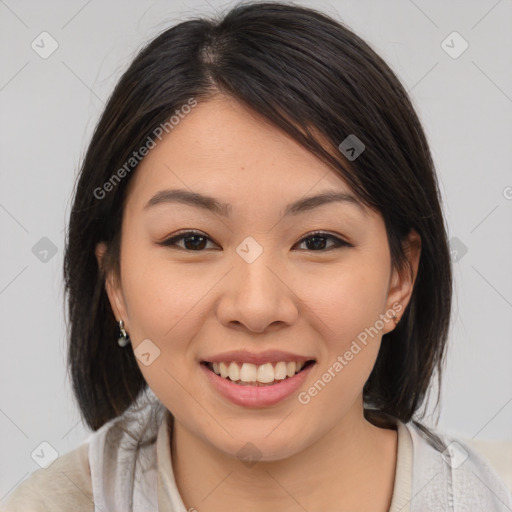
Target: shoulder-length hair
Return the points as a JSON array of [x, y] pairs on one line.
[[316, 80]]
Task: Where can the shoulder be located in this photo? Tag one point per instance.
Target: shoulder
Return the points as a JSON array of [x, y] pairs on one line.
[[448, 474], [118, 450], [65, 485]]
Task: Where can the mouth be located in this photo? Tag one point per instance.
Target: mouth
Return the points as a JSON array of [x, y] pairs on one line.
[[264, 375]]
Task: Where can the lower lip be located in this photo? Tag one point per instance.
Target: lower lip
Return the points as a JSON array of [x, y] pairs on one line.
[[256, 396]]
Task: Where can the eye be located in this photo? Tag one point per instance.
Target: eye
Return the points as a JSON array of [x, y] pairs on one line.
[[193, 240], [197, 241], [318, 242]]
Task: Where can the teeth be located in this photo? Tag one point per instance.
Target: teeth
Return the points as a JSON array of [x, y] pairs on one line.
[[280, 370], [223, 370], [234, 371], [248, 373], [265, 373]]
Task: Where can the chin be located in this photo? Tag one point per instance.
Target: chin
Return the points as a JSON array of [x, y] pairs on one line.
[[261, 447]]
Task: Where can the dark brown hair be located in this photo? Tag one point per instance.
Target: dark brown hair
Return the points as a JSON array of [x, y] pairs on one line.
[[312, 77]]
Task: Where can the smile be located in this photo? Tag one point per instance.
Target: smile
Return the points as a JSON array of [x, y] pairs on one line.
[[259, 375], [250, 385]]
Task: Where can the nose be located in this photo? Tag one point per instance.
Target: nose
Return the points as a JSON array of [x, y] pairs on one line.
[[257, 296]]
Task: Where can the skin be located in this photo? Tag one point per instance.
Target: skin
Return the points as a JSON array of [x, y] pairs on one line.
[[320, 456]]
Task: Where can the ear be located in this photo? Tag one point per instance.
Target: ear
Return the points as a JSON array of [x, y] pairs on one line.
[[402, 283], [112, 287]]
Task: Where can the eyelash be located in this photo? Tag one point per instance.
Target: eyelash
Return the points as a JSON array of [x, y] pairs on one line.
[[169, 242]]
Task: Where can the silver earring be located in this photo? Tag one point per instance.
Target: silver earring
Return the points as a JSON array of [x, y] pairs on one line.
[[123, 339]]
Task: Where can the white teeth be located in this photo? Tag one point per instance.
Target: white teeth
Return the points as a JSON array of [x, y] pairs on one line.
[[265, 373], [248, 372], [291, 368], [234, 371], [223, 370], [280, 370]]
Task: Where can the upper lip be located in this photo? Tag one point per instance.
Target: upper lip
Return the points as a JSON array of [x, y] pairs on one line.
[[268, 356]]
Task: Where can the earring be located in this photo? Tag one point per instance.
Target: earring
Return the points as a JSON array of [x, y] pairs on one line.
[[123, 339], [395, 318]]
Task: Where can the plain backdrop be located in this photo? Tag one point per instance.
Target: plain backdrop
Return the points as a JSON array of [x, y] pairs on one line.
[[49, 107]]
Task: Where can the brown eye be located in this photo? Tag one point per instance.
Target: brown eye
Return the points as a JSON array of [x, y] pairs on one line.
[[316, 242], [197, 241], [192, 241]]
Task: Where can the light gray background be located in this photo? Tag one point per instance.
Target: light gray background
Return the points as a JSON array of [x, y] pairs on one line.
[[50, 106]]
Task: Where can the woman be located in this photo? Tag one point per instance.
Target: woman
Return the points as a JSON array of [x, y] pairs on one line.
[[259, 284]]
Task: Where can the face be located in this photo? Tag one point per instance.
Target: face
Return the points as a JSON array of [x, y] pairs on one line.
[[276, 285]]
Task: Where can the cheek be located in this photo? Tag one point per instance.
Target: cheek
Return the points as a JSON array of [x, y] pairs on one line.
[[349, 297], [348, 302], [163, 303], [161, 295]]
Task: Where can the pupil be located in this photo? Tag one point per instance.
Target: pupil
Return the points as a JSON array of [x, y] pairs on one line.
[[315, 239], [197, 244]]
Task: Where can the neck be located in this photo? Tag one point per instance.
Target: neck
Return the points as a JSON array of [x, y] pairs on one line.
[[351, 466]]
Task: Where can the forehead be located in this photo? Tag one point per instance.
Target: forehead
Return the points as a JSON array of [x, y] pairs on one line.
[[227, 150]]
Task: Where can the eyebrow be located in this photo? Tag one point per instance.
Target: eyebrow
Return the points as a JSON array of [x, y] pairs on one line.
[[211, 204]]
